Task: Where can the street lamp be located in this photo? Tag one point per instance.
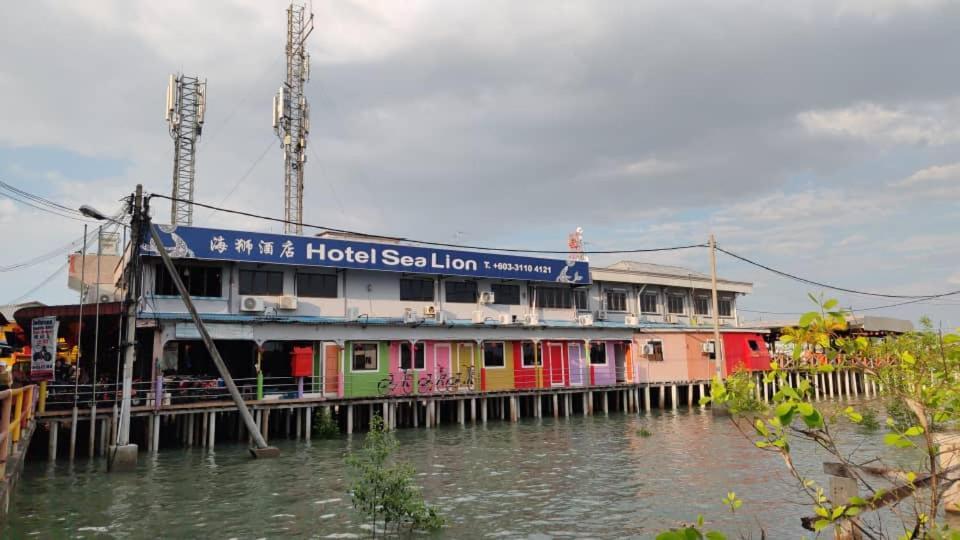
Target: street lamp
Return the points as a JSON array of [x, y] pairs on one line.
[[123, 455]]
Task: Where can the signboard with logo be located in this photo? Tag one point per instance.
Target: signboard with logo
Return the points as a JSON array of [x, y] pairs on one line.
[[43, 347], [242, 246]]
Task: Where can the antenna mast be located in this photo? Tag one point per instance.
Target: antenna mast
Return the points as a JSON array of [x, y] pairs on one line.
[[186, 104], [291, 115]]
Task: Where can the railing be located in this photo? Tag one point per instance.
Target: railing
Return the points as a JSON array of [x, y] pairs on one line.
[[16, 411]]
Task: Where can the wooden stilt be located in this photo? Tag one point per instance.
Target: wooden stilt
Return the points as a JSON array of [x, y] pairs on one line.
[[104, 436], [556, 405], [213, 431], [416, 413], [461, 412], [606, 403], [190, 429], [483, 410], [674, 396], [204, 429], [473, 410], [646, 398], [266, 424], [307, 421], [349, 419]]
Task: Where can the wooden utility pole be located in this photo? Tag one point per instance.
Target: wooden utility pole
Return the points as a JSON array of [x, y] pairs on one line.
[[262, 450], [717, 344]]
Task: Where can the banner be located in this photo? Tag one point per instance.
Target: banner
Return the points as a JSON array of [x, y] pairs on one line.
[[253, 247], [43, 345]]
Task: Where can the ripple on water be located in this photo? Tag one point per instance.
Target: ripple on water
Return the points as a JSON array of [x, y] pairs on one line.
[[574, 477]]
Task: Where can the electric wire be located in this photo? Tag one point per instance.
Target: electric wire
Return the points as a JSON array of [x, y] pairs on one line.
[[239, 181], [38, 199], [833, 287], [425, 242]]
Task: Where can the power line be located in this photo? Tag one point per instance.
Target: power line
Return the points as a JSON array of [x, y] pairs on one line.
[[833, 287], [238, 182], [428, 243], [41, 208], [38, 199]]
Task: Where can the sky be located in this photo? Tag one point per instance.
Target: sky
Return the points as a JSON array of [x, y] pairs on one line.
[[818, 137]]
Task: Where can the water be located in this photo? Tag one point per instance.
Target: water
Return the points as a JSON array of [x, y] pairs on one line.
[[569, 478]]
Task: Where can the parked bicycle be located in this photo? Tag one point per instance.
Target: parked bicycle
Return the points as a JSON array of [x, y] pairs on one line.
[[394, 382]]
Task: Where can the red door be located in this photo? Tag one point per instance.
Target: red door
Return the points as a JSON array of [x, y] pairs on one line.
[[554, 363]]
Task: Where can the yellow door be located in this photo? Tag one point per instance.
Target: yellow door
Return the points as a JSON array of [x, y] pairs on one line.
[[465, 366]]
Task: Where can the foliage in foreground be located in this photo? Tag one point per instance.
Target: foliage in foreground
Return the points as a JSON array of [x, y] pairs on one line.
[[383, 489], [919, 375]]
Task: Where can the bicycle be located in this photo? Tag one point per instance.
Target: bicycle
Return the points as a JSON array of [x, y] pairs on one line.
[[389, 385]]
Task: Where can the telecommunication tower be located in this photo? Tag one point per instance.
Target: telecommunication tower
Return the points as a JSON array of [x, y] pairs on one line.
[[291, 115], [186, 103]]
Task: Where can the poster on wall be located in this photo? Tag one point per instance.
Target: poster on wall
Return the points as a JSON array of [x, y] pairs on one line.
[[43, 344]]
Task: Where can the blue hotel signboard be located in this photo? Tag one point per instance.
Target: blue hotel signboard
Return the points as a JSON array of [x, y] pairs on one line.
[[253, 247]]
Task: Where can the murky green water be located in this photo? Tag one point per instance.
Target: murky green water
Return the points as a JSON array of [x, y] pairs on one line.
[[579, 477]]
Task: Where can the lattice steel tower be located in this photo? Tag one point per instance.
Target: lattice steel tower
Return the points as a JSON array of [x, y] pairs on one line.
[[291, 116], [186, 102]]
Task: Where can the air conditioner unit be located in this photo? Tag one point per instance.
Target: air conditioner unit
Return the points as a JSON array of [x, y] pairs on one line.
[[585, 319], [506, 318], [648, 349], [410, 316], [531, 319], [487, 297], [430, 311], [631, 320], [251, 303], [353, 313], [100, 293], [478, 317], [601, 315], [287, 302], [708, 347]]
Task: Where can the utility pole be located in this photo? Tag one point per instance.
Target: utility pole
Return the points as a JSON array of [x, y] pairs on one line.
[[262, 450], [123, 456], [717, 344], [291, 116], [186, 104]]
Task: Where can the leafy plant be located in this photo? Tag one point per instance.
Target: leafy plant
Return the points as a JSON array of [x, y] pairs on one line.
[[643, 432], [691, 532], [323, 425], [383, 489]]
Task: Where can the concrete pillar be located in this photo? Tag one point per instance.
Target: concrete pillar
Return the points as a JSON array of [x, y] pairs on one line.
[[537, 406], [829, 377], [349, 419], [483, 410], [157, 420], [846, 382], [842, 489], [514, 409], [567, 404], [266, 424], [307, 424], [586, 407], [213, 430], [104, 436], [606, 404], [52, 443], [556, 406], [503, 408], [92, 442], [73, 434], [473, 410], [416, 413], [151, 420], [663, 396], [702, 393], [205, 422], [674, 393], [646, 398], [461, 412], [856, 383]]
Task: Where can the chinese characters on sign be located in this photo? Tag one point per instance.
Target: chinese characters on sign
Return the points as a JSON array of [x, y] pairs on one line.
[[253, 247]]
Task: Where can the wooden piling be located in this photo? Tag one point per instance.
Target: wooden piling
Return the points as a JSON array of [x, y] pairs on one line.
[[155, 438], [349, 419], [473, 410], [307, 421], [461, 412], [212, 431], [674, 396], [646, 398], [205, 426], [606, 404], [92, 442]]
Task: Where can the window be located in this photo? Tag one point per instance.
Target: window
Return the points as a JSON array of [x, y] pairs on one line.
[[199, 280], [529, 354], [675, 304], [598, 353], [419, 356], [557, 298], [365, 357], [464, 292], [317, 285], [648, 302], [493, 355], [261, 282], [508, 295], [616, 301], [653, 350], [701, 305], [725, 307], [754, 346], [416, 289]]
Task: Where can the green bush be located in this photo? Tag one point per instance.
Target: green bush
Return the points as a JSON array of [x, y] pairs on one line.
[[323, 425]]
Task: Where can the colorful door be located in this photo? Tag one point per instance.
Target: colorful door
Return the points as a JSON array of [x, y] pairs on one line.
[[577, 364], [554, 363], [441, 362], [331, 376], [465, 366]]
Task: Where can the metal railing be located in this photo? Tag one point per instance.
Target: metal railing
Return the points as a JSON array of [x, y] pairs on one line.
[[16, 411]]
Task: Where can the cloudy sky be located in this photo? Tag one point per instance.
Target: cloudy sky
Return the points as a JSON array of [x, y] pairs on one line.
[[820, 137]]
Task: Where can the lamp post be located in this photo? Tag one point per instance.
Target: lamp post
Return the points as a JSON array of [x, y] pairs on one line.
[[123, 455]]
